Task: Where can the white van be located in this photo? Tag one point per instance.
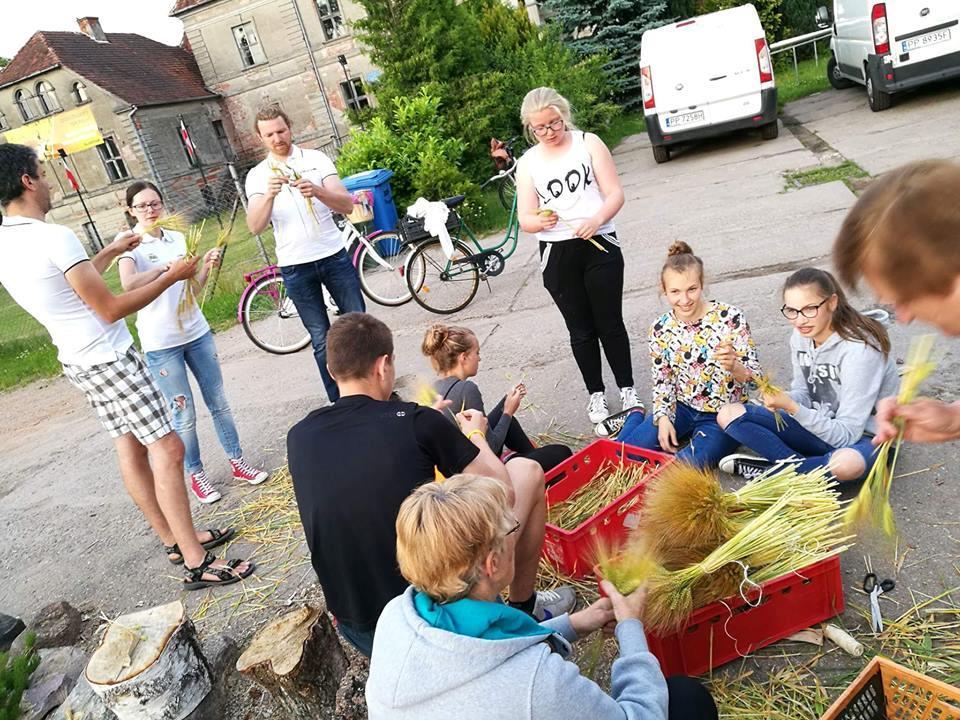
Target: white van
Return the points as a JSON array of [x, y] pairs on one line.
[[892, 46], [707, 76]]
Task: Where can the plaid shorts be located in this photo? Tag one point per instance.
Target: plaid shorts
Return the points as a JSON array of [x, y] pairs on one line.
[[124, 396]]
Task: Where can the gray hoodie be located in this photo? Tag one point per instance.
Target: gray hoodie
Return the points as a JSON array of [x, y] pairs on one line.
[[837, 386], [419, 672]]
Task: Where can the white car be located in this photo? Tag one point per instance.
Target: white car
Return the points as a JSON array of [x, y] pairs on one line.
[[891, 46], [707, 76]]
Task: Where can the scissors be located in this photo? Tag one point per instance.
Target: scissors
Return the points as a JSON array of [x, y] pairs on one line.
[[875, 589]]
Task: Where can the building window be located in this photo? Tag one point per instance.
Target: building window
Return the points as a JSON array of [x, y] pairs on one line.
[[331, 19], [112, 162], [251, 51], [22, 101], [221, 132], [353, 94], [3, 122], [79, 93], [47, 98], [191, 157]]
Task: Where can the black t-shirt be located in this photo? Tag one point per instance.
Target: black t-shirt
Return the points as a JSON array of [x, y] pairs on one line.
[[353, 463]]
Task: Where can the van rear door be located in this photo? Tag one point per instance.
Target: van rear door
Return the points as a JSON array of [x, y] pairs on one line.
[[922, 29], [706, 70]]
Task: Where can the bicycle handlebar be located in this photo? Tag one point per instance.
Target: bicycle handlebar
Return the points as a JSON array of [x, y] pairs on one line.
[[501, 175]]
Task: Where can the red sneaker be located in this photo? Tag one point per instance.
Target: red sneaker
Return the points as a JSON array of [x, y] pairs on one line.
[[202, 489], [244, 471]]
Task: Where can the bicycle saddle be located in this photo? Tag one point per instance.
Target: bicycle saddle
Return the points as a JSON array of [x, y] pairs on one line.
[[452, 202]]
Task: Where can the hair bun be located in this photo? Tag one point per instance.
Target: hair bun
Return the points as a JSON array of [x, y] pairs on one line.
[[435, 337], [679, 248]]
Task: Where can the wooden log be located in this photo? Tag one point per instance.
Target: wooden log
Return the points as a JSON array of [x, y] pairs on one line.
[[298, 659], [149, 665]]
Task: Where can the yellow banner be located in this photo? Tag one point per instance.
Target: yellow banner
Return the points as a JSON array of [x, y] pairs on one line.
[[73, 130]]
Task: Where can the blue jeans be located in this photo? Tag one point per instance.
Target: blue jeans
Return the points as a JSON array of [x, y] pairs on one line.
[[169, 369], [362, 641], [708, 443], [757, 430], [305, 284]]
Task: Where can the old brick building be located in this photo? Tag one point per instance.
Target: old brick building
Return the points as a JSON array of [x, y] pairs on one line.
[[252, 52], [137, 91]]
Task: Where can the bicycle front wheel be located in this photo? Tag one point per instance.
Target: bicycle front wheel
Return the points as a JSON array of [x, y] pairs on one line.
[[439, 284], [270, 318], [384, 285], [507, 190]]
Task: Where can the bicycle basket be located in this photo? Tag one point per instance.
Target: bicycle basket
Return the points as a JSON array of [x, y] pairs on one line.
[[362, 207], [412, 230]]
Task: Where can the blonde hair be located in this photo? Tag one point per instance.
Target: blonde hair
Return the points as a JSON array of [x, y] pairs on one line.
[[443, 344], [680, 258], [445, 530], [543, 98], [904, 229]]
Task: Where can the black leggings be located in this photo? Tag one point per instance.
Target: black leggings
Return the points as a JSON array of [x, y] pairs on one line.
[[689, 700], [548, 456], [587, 286]]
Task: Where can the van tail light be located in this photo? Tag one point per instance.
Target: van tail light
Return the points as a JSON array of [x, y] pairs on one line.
[[763, 61], [881, 37], [646, 86]]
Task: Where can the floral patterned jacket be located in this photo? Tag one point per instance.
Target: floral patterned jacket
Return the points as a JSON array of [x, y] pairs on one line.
[[682, 363]]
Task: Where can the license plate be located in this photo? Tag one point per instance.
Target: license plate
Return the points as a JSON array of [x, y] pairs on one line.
[[924, 40], [684, 119]]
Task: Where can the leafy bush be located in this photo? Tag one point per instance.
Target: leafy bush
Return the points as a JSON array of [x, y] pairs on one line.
[[15, 674]]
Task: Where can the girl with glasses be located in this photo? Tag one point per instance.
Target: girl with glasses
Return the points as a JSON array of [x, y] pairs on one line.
[[702, 355], [174, 338], [568, 193], [841, 367]]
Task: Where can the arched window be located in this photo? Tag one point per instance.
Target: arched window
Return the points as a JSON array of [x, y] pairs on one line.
[[47, 98], [22, 102], [80, 93], [3, 121]]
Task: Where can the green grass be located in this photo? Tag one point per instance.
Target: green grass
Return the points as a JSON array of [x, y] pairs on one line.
[[845, 171], [812, 77], [623, 126], [26, 353]]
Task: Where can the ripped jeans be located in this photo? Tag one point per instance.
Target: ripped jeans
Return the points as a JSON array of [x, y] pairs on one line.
[[169, 370]]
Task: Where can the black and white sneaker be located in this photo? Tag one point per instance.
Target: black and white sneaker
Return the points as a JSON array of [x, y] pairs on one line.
[[746, 466], [611, 426]]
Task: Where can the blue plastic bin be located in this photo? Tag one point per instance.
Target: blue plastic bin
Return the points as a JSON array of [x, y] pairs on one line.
[[384, 211]]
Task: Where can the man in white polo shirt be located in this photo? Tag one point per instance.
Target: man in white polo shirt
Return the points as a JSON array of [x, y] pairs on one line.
[[296, 190], [47, 272]]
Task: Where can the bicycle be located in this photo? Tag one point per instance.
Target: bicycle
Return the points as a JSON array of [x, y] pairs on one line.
[[270, 318], [432, 274], [506, 163]]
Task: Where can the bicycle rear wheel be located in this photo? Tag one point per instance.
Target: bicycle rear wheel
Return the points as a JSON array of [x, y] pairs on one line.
[[270, 318], [382, 285], [442, 285]]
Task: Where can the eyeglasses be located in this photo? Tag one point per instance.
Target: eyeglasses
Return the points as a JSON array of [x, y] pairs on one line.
[[808, 311], [155, 205], [515, 528], [541, 130]]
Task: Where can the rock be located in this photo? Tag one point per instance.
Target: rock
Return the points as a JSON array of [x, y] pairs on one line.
[[52, 681], [57, 625], [221, 653], [83, 703], [10, 628]]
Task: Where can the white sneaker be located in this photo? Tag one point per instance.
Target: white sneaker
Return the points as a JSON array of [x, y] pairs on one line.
[[553, 603], [746, 466], [597, 408], [629, 399]]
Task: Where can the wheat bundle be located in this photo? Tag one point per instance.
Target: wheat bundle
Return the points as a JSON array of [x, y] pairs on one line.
[[609, 482]]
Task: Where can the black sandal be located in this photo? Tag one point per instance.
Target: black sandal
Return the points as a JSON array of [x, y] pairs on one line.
[[217, 538], [193, 577]]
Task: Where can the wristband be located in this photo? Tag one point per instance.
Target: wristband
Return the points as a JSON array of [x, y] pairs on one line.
[[475, 431]]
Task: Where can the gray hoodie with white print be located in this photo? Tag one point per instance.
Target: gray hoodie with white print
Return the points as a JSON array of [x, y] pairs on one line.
[[837, 386]]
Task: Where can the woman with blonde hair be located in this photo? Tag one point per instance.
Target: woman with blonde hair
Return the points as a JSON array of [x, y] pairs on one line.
[[449, 647], [454, 353], [568, 193]]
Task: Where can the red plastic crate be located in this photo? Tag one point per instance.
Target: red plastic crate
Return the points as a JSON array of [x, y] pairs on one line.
[[730, 629], [573, 551]]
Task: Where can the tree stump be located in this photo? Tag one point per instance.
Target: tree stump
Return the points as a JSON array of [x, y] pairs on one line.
[[298, 659], [149, 665]]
